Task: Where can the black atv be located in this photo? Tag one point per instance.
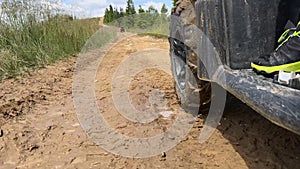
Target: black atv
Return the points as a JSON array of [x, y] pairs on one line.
[[122, 29], [215, 42]]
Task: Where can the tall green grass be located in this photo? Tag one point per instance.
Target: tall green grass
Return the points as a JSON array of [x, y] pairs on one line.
[[34, 39]]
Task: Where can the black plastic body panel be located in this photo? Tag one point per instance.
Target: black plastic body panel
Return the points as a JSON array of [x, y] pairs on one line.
[[239, 29], [279, 104]]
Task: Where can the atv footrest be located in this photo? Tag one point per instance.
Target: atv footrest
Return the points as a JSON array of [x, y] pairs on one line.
[[278, 103]]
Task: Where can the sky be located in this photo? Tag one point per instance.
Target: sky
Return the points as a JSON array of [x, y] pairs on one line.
[[96, 8]]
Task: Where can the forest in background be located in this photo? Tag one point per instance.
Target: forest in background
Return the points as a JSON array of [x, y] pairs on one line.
[[142, 21]]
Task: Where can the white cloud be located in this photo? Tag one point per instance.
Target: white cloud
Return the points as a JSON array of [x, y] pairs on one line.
[[96, 8], [156, 5], [93, 8]]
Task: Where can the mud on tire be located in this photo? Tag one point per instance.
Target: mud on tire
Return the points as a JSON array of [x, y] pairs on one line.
[[192, 92]]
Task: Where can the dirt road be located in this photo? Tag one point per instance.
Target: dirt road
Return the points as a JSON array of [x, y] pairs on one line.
[[40, 129]]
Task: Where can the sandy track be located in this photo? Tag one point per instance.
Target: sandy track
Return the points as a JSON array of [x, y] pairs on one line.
[[41, 130]]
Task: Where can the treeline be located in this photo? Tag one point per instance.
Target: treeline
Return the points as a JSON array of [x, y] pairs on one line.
[[130, 17], [174, 2]]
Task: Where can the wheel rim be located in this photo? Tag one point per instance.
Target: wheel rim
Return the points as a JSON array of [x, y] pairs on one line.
[[180, 74], [179, 63]]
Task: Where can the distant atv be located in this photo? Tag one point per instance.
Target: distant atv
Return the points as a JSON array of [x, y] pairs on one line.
[[122, 29], [239, 31]]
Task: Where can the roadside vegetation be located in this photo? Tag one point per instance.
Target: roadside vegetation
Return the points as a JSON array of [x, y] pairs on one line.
[[34, 34], [160, 36], [143, 21]]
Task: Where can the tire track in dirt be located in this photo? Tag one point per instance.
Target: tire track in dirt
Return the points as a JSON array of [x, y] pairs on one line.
[[41, 130]]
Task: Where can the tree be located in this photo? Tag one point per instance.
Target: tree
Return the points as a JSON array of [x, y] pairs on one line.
[[106, 16], [122, 13], [164, 9], [174, 2], [112, 14], [141, 10], [152, 10], [119, 16], [109, 14], [111, 10], [142, 18], [130, 10], [116, 14], [152, 16]]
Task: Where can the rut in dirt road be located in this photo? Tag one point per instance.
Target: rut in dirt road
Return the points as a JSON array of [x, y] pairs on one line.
[[41, 129]]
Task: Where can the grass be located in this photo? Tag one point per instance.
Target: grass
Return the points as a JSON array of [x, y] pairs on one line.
[[26, 45], [32, 37], [145, 24]]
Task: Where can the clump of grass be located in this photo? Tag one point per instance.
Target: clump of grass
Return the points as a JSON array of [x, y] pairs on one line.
[[34, 35]]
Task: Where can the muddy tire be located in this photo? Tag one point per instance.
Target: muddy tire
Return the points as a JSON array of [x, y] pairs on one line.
[[192, 92]]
